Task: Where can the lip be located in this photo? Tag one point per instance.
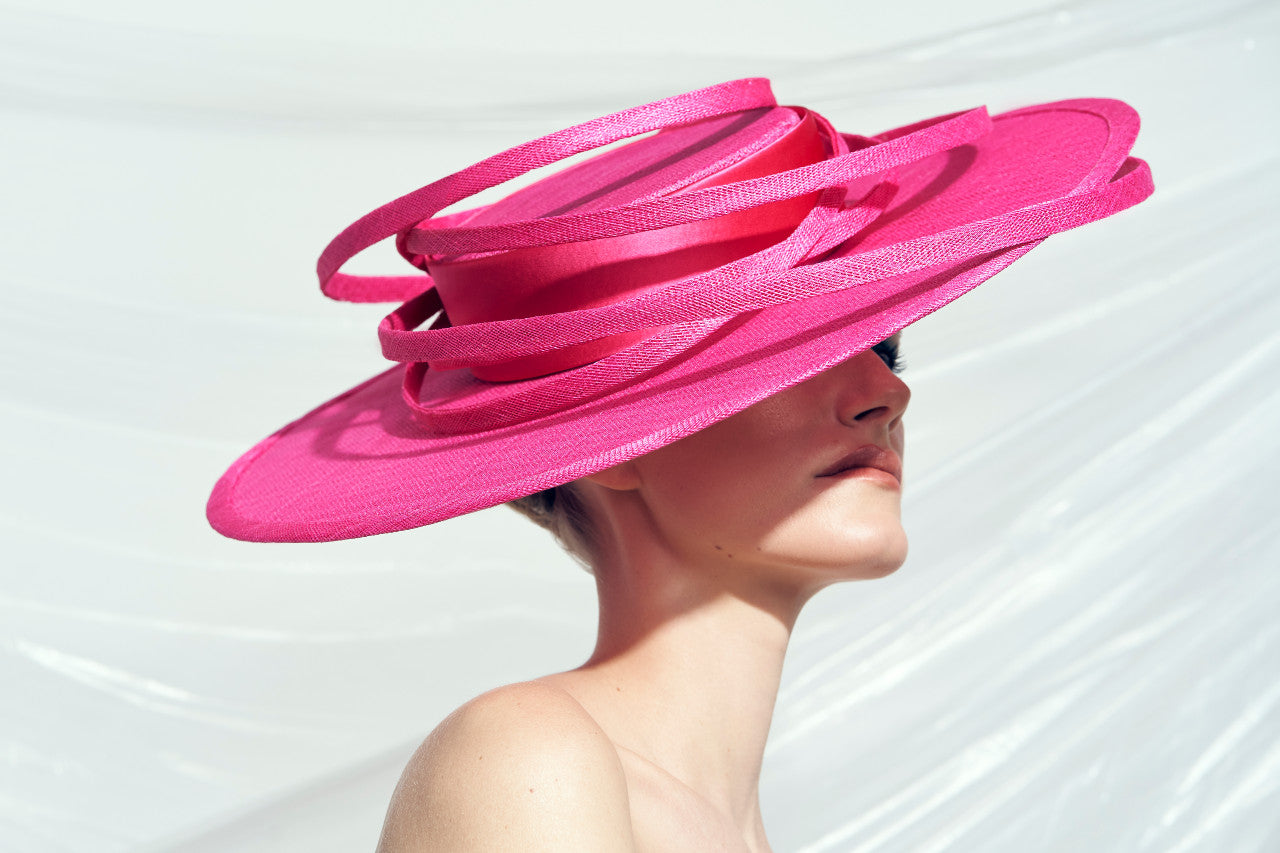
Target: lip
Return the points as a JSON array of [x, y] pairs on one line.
[[865, 460]]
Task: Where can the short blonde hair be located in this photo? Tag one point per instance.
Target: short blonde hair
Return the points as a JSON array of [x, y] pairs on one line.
[[560, 509]]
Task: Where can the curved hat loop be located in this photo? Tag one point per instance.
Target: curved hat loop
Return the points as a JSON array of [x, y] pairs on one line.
[[723, 292], [948, 132], [423, 203]]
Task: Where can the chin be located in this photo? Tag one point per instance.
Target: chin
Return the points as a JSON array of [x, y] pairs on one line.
[[882, 552], [865, 552]]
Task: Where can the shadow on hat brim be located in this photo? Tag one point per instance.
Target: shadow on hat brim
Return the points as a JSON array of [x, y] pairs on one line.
[[361, 465]]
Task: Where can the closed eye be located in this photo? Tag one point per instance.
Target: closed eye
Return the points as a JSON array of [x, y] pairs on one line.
[[890, 354]]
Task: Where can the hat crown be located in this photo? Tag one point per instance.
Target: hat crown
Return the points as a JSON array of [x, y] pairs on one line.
[[529, 281]]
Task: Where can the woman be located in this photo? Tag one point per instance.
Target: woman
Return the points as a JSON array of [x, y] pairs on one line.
[[679, 356]]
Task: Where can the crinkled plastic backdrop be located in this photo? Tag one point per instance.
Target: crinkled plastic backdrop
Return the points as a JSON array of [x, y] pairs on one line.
[[1082, 652]]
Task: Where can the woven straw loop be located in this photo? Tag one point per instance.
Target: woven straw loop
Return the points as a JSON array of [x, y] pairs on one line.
[[699, 205], [735, 288], [425, 202]]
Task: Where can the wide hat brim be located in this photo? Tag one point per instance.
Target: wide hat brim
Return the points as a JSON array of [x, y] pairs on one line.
[[361, 464]]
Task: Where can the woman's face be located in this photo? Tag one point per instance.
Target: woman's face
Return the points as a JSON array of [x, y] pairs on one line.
[[793, 483]]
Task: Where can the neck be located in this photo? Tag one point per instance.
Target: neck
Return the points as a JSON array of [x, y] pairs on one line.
[[686, 670]]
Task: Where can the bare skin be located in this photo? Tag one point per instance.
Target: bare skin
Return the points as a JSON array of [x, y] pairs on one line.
[[699, 591]]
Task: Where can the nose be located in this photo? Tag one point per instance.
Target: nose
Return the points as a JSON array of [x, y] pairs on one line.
[[872, 393]]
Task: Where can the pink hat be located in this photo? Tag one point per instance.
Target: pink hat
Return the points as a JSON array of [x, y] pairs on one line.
[[645, 293]]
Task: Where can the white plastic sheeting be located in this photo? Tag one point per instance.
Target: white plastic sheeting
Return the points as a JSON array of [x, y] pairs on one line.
[[1082, 652]]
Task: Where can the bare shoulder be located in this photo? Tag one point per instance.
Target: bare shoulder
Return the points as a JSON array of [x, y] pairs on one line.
[[522, 767]]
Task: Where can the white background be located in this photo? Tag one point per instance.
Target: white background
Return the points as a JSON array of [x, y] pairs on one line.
[[1081, 653]]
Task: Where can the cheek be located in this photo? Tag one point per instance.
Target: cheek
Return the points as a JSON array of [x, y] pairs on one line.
[[717, 499], [730, 486]]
